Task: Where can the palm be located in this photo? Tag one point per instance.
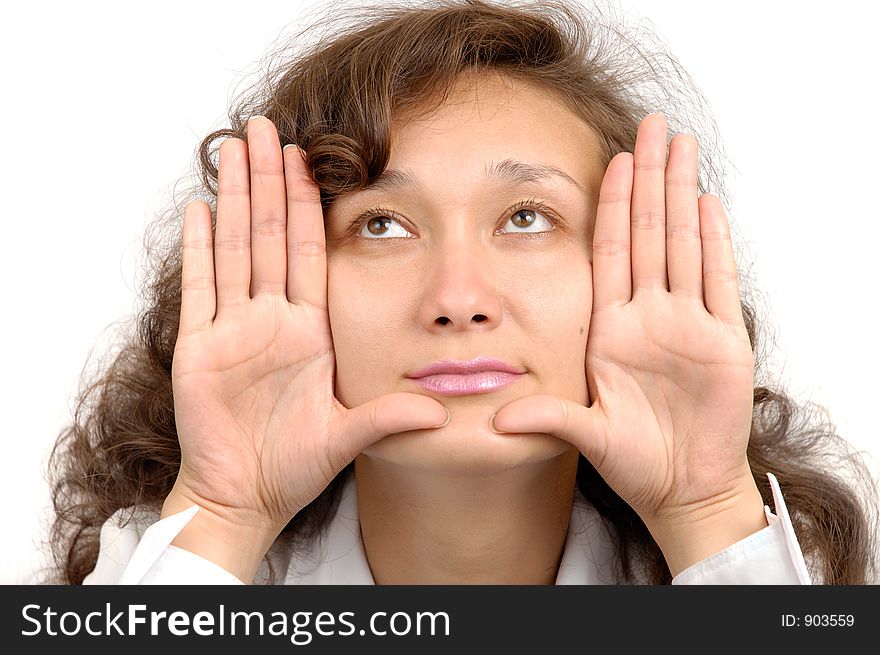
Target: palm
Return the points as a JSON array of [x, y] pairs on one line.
[[662, 372], [244, 385]]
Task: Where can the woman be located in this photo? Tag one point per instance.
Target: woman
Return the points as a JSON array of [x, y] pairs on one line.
[[561, 338]]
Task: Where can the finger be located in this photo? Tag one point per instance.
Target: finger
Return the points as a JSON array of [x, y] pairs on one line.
[[306, 246], [612, 268], [232, 243], [389, 414], [720, 284], [649, 205], [683, 248], [558, 417], [197, 293], [268, 209]]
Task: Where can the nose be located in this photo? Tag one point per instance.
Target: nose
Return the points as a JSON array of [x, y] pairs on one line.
[[461, 292]]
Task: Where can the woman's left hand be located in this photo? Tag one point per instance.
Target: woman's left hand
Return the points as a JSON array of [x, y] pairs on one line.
[[669, 364]]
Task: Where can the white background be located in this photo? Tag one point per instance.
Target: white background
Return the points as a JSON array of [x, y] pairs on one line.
[[104, 104]]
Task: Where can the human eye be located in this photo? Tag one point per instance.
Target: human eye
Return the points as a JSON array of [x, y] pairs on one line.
[[377, 224], [530, 214]]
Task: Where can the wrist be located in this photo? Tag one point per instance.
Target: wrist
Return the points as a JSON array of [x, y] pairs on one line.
[[693, 539], [236, 545]]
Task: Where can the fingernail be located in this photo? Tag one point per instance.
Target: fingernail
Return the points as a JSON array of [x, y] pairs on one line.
[[302, 153], [448, 418], [492, 425]]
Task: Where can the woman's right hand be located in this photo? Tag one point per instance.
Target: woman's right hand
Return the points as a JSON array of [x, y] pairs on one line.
[[261, 432]]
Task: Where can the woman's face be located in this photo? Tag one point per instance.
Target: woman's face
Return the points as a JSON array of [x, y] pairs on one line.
[[463, 261]]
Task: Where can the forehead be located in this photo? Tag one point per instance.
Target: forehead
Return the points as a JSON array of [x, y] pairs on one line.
[[493, 111]]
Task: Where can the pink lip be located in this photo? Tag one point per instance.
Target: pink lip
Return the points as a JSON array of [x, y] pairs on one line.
[[458, 378]]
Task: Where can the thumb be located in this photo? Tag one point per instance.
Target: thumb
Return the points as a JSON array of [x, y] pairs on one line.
[[558, 417], [389, 414]]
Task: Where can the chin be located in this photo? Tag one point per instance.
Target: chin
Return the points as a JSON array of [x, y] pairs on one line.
[[466, 445]]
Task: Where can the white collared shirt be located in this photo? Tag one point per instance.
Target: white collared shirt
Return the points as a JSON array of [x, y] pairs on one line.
[[139, 551]]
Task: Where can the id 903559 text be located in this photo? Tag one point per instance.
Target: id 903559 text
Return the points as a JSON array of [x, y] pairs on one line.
[[818, 620]]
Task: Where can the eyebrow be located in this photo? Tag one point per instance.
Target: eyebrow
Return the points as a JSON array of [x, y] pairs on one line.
[[511, 171]]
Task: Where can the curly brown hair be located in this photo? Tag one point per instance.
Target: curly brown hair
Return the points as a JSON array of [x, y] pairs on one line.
[[334, 91]]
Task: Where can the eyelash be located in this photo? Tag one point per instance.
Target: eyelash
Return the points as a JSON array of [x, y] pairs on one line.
[[531, 203]]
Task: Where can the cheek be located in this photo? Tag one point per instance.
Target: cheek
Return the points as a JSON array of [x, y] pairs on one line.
[[577, 323], [363, 311], [556, 319], [556, 306]]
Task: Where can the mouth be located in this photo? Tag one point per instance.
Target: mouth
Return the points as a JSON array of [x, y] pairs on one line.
[[464, 377]]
